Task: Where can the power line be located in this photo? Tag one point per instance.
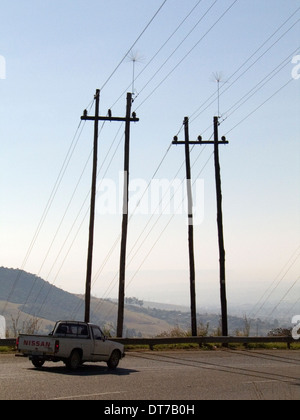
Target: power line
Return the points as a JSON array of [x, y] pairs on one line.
[[243, 65], [209, 9], [253, 91], [198, 3], [48, 206], [123, 60], [177, 48], [260, 106], [90, 105], [168, 223], [151, 230], [133, 45], [77, 216], [187, 54], [159, 50], [230, 130], [285, 295], [279, 278], [81, 209], [136, 245], [261, 84], [118, 238], [193, 117], [290, 311], [173, 216]]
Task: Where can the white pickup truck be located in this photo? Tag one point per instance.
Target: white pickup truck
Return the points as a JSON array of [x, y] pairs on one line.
[[73, 343]]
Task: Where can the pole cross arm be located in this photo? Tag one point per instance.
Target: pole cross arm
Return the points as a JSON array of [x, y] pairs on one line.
[[212, 142], [120, 119], [200, 141]]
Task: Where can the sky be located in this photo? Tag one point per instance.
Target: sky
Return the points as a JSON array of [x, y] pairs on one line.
[[174, 57]]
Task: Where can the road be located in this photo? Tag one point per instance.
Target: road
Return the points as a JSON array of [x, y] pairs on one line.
[[173, 375]]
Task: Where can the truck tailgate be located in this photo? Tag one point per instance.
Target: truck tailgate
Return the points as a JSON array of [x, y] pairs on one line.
[[34, 344]]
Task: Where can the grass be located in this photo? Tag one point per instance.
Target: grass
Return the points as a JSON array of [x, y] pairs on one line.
[[5, 349], [271, 346], [213, 347]]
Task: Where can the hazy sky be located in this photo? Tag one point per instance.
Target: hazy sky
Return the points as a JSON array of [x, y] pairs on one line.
[[55, 54]]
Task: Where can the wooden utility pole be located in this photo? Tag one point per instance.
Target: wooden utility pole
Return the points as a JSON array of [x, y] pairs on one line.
[[92, 214], [120, 324], [190, 225], [96, 120], [216, 143]]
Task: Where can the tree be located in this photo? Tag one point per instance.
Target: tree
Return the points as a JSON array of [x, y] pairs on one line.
[[280, 332], [30, 326]]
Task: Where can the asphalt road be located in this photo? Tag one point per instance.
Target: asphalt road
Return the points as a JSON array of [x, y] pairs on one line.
[[173, 375]]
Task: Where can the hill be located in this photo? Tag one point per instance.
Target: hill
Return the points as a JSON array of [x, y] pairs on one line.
[[24, 296]]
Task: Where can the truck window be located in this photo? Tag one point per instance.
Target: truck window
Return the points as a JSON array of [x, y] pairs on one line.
[[97, 333], [83, 331], [62, 329], [72, 330]]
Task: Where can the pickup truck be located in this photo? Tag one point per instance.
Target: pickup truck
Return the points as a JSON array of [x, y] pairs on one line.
[[73, 343]]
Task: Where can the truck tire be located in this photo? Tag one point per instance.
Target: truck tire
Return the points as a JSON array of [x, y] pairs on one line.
[[114, 359], [38, 363], [74, 361]]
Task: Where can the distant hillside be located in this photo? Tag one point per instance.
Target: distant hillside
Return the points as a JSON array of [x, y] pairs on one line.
[[209, 323], [36, 296], [25, 295]]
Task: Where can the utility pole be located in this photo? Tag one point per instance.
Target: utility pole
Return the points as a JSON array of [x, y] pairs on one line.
[[190, 224], [92, 214], [96, 120], [120, 323], [216, 143]]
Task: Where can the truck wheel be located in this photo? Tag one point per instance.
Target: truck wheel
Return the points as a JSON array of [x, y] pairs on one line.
[[114, 360], [38, 363], [74, 361]]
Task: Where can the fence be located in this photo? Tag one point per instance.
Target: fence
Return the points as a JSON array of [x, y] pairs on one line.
[[151, 342], [8, 342]]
